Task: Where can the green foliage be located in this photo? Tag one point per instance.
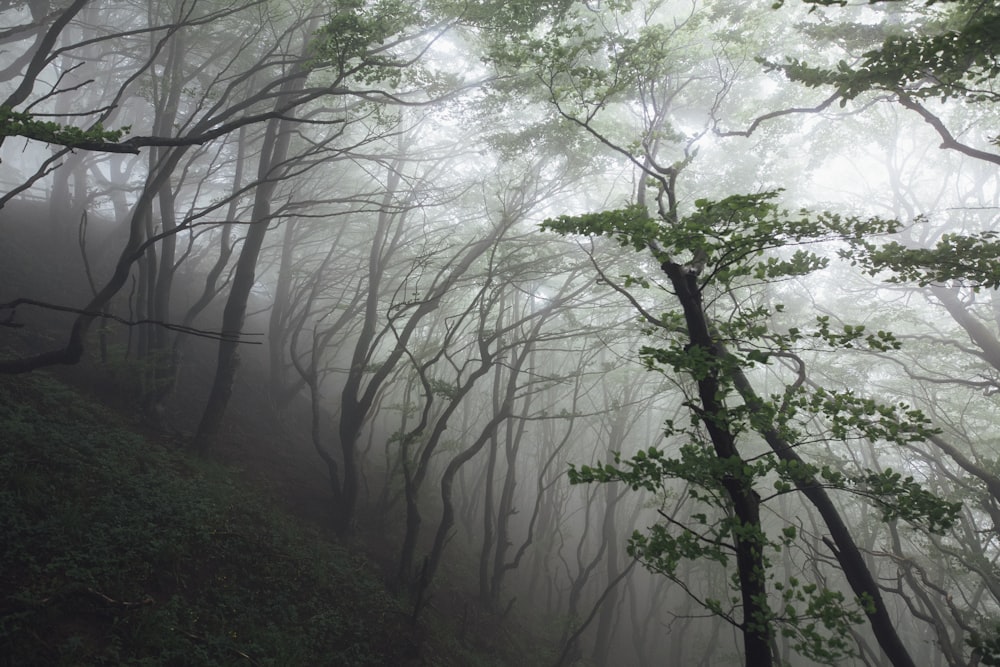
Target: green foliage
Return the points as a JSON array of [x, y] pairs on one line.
[[118, 550], [504, 18], [352, 39], [971, 259], [903, 498], [730, 237], [630, 226], [20, 124], [854, 336], [987, 647], [138, 379], [953, 54], [664, 546], [849, 416], [587, 60], [696, 361], [444, 389], [897, 496], [816, 620], [727, 244]]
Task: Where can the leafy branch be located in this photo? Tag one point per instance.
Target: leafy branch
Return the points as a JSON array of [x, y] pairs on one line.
[[22, 124]]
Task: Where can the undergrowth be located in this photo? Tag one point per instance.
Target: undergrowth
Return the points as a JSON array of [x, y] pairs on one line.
[[118, 550]]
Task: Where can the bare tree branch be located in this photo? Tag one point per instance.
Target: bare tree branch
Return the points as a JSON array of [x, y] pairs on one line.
[[770, 116], [204, 333], [948, 139]]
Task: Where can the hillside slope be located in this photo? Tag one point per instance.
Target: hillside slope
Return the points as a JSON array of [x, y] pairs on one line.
[[118, 549]]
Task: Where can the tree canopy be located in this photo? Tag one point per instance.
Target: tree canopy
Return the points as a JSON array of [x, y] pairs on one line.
[[707, 288]]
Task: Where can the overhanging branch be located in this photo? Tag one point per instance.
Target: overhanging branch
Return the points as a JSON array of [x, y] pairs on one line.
[[204, 333], [948, 140], [771, 116]]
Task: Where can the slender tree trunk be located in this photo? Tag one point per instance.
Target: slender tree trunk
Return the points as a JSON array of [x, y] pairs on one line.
[[356, 399], [506, 509], [277, 137], [211, 288], [608, 612], [415, 477], [278, 387], [848, 554], [489, 534], [578, 582], [447, 481], [748, 538]]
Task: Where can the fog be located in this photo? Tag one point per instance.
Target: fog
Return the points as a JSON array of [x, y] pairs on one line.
[[614, 322]]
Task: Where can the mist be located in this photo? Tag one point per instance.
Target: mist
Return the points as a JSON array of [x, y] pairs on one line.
[[624, 333]]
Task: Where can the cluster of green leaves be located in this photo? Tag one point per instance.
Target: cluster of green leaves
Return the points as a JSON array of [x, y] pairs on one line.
[[732, 237], [898, 497], [630, 226], [117, 550], [952, 55], [818, 621], [695, 361], [444, 389], [970, 259], [850, 335], [815, 619], [352, 41], [502, 17], [21, 124], [901, 497], [848, 416], [663, 547]]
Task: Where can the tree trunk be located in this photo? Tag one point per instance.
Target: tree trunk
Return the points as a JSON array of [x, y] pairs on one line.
[[851, 560], [748, 538], [273, 153], [279, 388]]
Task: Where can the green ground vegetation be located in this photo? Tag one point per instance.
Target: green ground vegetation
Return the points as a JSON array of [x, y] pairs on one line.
[[117, 549]]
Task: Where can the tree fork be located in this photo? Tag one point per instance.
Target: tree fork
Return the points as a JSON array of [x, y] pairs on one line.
[[852, 562]]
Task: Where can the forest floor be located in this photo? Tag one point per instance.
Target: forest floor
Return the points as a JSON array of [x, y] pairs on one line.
[[117, 546]]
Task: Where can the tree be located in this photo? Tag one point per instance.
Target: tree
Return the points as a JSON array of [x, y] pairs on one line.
[[944, 52], [939, 61], [349, 57], [729, 237], [624, 58]]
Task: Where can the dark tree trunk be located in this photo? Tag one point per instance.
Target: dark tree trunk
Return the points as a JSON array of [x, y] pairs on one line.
[[748, 540], [273, 153], [848, 554]]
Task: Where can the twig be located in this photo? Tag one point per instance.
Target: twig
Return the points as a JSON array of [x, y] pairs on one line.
[[213, 335]]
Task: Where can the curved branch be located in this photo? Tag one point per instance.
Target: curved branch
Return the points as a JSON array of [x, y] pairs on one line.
[[772, 115], [571, 641], [646, 315], [41, 56], [204, 333], [948, 140]]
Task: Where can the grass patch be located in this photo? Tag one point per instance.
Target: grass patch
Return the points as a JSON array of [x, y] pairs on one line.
[[116, 550]]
